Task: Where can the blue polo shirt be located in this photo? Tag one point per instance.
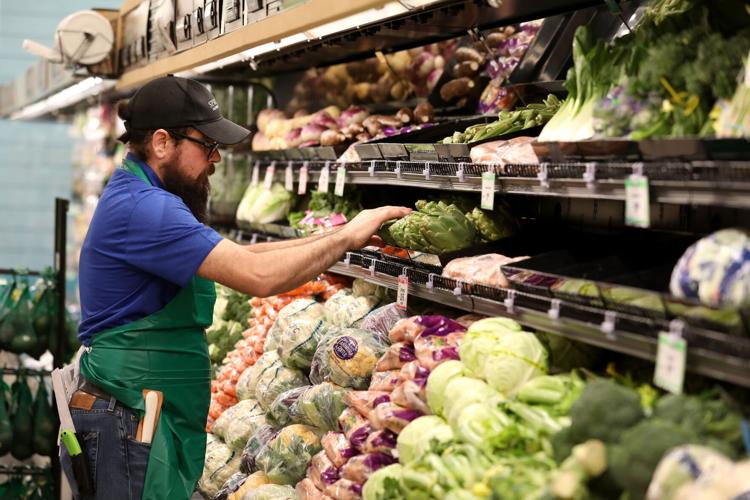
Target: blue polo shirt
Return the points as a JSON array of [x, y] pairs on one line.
[[143, 246]]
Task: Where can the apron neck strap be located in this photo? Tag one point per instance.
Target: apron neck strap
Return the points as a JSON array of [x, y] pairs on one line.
[[135, 169]]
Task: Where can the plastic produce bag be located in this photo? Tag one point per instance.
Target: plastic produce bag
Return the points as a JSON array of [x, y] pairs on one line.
[[222, 423], [347, 310], [285, 409], [220, 464], [43, 315], [251, 482], [322, 471], [275, 381], [482, 269], [6, 425], [365, 401], [298, 342], [405, 330], [321, 405], [271, 492], [337, 448], [346, 357], [262, 436], [286, 457], [392, 417], [410, 394], [45, 422], [232, 485], [362, 288], [249, 378], [245, 421], [295, 310], [344, 489], [16, 330], [438, 341], [395, 357], [306, 490], [385, 381], [380, 442], [356, 428], [359, 468], [382, 319], [22, 447]]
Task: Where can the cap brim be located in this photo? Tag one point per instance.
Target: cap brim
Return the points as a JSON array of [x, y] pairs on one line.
[[223, 131], [124, 138]]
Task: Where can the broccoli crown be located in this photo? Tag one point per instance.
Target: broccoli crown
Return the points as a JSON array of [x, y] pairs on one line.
[[604, 411], [632, 462], [238, 307]]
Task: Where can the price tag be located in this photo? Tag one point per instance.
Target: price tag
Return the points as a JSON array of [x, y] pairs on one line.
[[289, 178], [254, 239], [488, 190], [256, 174], [402, 295], [268, 179], [637, 207], [671, 354], [340, 180], [302, 186], [324, 179]]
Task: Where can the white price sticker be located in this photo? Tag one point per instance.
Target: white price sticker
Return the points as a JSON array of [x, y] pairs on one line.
[[340, 181], [302, 186], [637, 207], [268, 179], [402, 294], [324, 179], [256, 174], [289, 177], [671, 354], [488, 190]]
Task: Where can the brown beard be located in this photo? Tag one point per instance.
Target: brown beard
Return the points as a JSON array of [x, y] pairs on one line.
[[194, 192]]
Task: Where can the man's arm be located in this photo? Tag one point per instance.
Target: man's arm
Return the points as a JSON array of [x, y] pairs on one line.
[[279, 270], [280, 245]]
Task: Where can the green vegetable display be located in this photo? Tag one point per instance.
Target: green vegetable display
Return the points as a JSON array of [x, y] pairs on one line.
[[421, 435], [532, 115], [285, 458], [45, 423], [6, 426], [23, 420]]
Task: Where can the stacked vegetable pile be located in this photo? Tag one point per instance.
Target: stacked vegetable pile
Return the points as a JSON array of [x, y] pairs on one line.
[[325, 210], [232, 311], [249, 348], [663, 80], [444, 226], [295, 390]]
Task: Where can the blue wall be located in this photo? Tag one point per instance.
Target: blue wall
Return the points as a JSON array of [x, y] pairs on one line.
[[36, 157]]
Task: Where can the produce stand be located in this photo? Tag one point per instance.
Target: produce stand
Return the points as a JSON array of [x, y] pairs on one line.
[[589, 257]]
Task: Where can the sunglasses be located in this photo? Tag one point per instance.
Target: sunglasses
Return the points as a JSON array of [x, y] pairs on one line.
[[211, 147]]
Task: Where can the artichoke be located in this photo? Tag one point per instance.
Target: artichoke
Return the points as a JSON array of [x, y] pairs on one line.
[[492, 225], [435, 227]]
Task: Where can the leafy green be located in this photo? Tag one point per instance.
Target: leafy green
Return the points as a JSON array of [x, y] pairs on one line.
[[438, 381], [422, 434]]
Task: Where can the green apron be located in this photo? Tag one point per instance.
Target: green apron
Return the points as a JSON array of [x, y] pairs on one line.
[[166, 351]]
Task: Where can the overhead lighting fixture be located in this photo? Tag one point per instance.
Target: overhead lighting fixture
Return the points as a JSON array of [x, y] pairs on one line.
[[73, 94]]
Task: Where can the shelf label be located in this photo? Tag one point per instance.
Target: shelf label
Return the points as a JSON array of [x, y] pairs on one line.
[[256, 174], [488, 190], [268, 179], [637, 208], [340, 181], [302, 186], [324, 179], [671, 354], [289, 178], [402, 295]]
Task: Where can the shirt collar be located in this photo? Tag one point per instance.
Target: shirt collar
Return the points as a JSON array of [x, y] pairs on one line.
[[147, 170]]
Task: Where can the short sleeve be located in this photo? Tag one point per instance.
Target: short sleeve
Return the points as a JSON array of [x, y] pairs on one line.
[[165, 239]]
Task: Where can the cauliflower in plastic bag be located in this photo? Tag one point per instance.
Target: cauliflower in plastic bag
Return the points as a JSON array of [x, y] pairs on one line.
[[248, 381], [276, 380], [321, 405], [271, 492], [362, 288], [298, 309], [299, 340], [382, 319], [347, 357], [347, 310], [285, 458], [285, 408], [262, 436], [220, 464], [245, 420]]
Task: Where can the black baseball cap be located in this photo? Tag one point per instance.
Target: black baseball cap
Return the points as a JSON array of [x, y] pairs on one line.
[[174, 102]]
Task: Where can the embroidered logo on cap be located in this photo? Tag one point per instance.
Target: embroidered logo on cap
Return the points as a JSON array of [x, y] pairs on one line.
[[213, 104]]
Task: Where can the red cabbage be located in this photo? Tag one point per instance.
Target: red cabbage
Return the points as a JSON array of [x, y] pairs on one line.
[[385, 438], [385, 398], [439, 326], [406, 354], [445, 353], [330, 475], [407, 415], [356, 488], [359, 436], [375, 461]]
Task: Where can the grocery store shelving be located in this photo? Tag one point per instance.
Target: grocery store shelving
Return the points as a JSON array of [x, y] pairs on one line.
[[721, 184]]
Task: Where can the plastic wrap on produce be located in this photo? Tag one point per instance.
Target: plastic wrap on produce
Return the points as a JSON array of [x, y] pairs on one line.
[[297, 309], [359, 468], [396, 356], [322, 471], [306, 490], [385, 381], [321, 404], [410, 394], [299, 340], [365, 401], [271, 492], [250, 483], [483, 269], [286, 457], [231, 486], [438, 342], [220, 464], [274, 381], [245, 420], [392, 417], [337, 447], [248, 381], [382, 319], [344, 489], [380, 442], [347, 310], [262, 436], [405, 330], [356, 428], [284, 410], [347, 357], [516, 151]]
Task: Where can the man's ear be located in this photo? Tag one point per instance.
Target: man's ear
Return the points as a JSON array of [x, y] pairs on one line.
[[161, 144]]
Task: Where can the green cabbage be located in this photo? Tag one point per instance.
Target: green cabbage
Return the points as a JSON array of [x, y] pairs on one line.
[[261, 206], [480, 338], [418, 437], [463, 391], [439, 379], [514, 360], [477, 423], [381, 481]]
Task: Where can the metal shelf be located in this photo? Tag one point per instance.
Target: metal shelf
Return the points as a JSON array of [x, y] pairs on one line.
[[621, 339]]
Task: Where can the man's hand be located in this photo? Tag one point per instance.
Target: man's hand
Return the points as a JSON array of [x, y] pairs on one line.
[[360, 229]]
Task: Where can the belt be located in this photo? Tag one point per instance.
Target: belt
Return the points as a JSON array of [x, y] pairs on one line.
[[86, 395]]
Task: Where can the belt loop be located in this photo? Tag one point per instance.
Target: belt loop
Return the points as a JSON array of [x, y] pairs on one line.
[[112, 403]]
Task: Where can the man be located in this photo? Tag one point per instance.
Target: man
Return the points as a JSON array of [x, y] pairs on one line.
[[147, 269]]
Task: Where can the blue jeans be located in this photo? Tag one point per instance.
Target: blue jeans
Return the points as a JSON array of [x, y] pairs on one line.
[[117, 462]]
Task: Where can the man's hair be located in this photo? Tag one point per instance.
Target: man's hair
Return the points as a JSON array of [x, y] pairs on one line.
[[139, 140]]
